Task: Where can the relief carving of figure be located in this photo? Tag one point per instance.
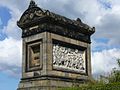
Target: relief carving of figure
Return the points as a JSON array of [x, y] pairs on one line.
[[68, 58]]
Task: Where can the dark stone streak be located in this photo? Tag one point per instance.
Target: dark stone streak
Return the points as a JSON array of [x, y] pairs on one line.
[[57, 30]]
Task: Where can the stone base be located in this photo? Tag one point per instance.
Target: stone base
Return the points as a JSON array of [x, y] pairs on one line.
[[48, 83]]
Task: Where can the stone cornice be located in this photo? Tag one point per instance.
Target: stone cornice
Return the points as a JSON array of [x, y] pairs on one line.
[[35, 16]]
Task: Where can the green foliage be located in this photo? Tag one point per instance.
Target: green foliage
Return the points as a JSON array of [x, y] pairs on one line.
[[110, 86], [118, 61], [115, 74], [113, 82]]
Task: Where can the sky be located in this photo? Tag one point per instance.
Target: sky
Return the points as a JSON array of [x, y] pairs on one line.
[[104, 15]]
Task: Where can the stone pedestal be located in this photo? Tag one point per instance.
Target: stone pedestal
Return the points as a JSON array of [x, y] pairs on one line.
[[56, 50]]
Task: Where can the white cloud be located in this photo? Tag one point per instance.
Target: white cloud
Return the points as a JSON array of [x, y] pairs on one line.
[[11, 30], [10, 48], [109, 28], [16, 8], [91, 12], [104, 61], [87, 10], [10, 55]]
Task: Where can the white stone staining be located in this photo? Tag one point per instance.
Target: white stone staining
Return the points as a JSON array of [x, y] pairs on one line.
[[68, 59]]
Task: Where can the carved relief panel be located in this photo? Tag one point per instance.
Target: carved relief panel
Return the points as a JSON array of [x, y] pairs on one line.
[[67, 58], [34, 56]]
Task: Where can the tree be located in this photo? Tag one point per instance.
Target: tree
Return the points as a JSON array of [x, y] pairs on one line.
[[118, 61], [115, 74]]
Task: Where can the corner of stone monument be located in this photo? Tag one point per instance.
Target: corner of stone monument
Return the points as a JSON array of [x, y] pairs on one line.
[[56, 50]]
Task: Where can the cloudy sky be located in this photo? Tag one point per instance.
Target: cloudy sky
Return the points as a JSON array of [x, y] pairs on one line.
[[102, 14]]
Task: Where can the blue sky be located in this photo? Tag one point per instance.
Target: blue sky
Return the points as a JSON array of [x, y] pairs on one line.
[[104, 15], [8, 82], [4, 17]]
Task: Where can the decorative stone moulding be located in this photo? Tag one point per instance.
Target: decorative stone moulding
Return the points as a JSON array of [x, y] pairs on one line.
[[36, 20]]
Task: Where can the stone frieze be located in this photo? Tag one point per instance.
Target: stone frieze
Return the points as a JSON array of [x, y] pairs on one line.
[[65, 58]]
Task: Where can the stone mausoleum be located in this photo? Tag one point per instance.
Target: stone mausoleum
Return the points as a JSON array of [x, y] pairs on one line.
[[56, 50]]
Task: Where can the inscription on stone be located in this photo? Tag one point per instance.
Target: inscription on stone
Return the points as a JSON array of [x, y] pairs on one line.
[[34, 54], [65, 58]]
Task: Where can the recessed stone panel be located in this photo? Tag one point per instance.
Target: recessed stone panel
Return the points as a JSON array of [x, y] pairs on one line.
[[69, 58], [33, 55]]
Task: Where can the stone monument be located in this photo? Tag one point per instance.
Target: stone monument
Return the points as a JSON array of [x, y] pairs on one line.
[[56, 50]]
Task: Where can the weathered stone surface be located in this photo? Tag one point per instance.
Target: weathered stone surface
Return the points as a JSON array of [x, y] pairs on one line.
[[42, 32], [36, 20]]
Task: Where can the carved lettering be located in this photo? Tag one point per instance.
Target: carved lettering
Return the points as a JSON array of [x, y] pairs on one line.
[[34, 52]]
